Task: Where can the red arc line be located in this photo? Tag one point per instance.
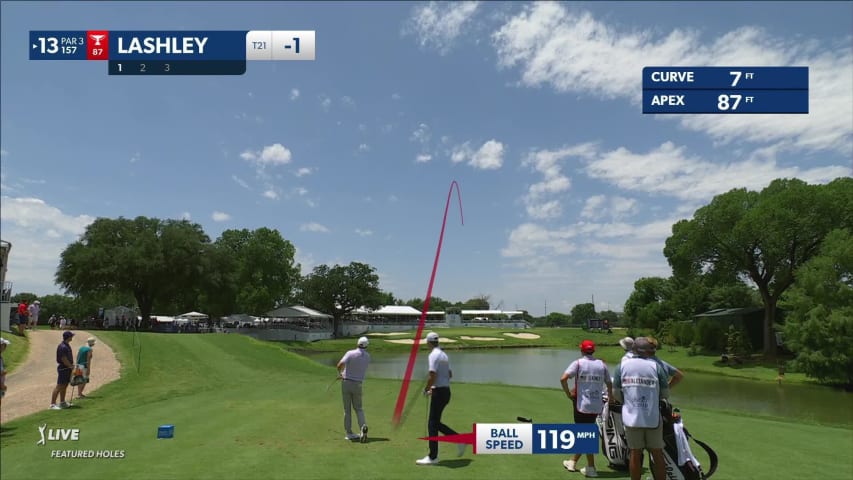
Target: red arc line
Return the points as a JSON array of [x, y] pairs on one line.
[[404, 388]]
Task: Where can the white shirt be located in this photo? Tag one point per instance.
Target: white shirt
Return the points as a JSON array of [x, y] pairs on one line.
[[440, 364], [355, 364], [591, 375], [642, 383]]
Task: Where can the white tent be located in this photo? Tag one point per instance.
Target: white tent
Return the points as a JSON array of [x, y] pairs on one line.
[[193, 316]]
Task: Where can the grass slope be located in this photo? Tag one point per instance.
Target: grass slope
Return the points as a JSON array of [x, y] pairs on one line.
[[247, 409], [16, 352]]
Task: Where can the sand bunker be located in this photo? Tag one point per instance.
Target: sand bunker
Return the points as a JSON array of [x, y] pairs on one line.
[[526, 336], [481, 339], [409, 341], [386, 334]]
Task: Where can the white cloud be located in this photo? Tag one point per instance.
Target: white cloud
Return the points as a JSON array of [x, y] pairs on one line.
[[423, 158], [460, 153], [186, 216], [305, 260], [421, 134], [396, 96], [348, 102], [3, 152], [271, 194], [313, 227], [38, 232], [438, 24], [529, 239], [671, 170], [364, 147], [301, 191], [240, 181], [35, 214], [135, 157], [599, 206], [364, 232], [220, 216], [393, 198], [538, 200], [488, 157], [325, 102], [572, 51], [275, 154], [294, 93], [303, 171]]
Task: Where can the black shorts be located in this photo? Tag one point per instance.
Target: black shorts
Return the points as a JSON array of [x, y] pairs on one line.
[[64, 376], [581, 417]]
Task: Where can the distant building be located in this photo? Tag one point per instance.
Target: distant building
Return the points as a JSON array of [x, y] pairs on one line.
[[751, 319]]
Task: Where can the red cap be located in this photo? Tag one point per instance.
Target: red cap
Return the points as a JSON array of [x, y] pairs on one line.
[[587, 346]]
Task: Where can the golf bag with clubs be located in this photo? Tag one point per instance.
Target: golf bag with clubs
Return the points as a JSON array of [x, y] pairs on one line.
[[680, 462]]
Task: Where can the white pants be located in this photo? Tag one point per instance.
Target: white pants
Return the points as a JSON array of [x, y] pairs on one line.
[[351, 392]]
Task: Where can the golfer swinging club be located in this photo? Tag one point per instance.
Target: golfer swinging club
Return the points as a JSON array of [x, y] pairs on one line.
[[438, 387], [352, 369]]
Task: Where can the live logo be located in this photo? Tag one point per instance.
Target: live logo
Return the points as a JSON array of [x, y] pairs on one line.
[[97, 45]]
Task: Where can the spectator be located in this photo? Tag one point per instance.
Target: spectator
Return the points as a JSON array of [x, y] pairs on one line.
[[640, 383], [673, 374], [23, 313], [65, 364], [84, 363], [3, 343], [52, 321], [352, 369], [590, 376], [627, 344], [34, 310]]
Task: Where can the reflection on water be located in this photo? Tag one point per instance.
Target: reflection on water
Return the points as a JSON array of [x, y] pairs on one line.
[[541, 367]]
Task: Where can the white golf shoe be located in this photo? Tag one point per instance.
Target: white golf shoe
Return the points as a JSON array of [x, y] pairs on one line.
[[427, 461]]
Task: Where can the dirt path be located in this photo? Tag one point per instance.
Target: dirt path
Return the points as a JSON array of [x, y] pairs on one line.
[[31, 384]]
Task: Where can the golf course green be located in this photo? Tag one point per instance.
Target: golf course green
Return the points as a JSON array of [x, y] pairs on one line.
[[246, 409]]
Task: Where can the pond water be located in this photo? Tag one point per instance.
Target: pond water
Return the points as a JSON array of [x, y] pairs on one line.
[[542, 367]]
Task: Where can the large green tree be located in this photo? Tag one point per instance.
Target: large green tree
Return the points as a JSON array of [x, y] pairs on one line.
[[763, 236], [265, 272], [339, 290], [147, 257], [583, 312], [819, 324]]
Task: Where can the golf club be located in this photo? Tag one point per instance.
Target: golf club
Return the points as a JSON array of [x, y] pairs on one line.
[[333, 382]]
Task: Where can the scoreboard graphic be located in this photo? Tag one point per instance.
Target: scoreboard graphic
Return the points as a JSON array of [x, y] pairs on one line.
[[726, 90], [171, 52]]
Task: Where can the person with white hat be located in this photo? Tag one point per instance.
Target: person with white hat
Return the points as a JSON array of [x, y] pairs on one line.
[[627, 344], [3, 343], [438, 388], [352, 369], [34, 310]]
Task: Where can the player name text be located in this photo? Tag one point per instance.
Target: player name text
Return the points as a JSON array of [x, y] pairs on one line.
[[163, 45]]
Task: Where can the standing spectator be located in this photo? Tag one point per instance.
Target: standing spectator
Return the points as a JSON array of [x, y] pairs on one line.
[[62, 322], [640, 383], [52, 321], [627, 344], [673, 374], [84, 363], [438, 387], [23, 312], [352, 369], [591, 375], [3, 343], [34, 310], [65, 364]]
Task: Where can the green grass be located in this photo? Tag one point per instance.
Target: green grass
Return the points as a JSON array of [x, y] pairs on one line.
[[248, 409], [16, 352]]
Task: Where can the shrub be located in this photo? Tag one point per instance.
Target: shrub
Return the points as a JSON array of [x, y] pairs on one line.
[[710, 335]]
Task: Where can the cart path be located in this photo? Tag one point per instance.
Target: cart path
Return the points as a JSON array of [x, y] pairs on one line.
[[30, 385]]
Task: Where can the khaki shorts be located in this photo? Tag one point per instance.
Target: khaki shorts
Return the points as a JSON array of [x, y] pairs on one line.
[[642, 438]]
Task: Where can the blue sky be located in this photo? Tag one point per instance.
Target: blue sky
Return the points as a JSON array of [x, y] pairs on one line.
[[568, 190]]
